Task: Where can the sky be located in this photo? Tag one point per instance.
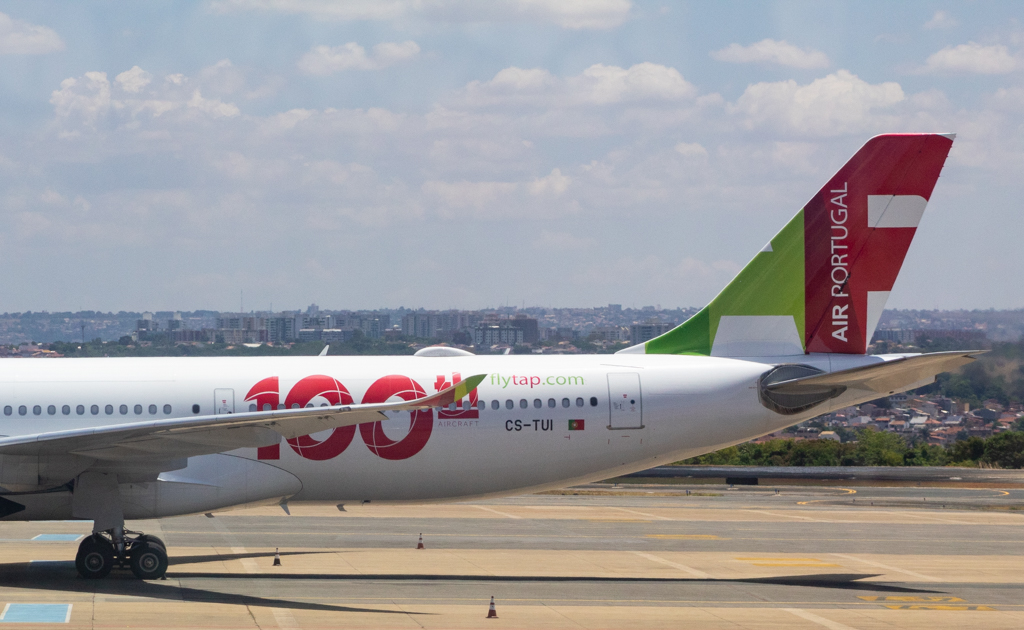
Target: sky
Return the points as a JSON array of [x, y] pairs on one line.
[[267, 154]]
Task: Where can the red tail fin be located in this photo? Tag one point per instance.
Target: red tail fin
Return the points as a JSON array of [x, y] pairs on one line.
[[857, 230]]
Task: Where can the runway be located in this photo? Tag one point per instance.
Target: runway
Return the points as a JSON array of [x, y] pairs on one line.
[[600, 556]]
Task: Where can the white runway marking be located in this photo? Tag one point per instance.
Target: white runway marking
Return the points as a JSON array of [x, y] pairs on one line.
[[654, 516], [487, 509], [879, 565], [674, 565], [284, 618], [821, 621]]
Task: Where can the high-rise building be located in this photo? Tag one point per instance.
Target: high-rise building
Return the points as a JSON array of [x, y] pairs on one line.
[[640, 333]]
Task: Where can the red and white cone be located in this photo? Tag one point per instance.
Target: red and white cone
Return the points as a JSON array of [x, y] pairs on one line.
[[420, 544], [277, 557], [492, 613]]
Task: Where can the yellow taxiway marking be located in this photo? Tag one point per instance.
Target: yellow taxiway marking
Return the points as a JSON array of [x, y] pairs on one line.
[[936, 607], [846, 490], [616, 520], [686, 536]]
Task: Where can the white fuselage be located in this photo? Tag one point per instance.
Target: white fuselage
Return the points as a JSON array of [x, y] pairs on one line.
[[535, 422]]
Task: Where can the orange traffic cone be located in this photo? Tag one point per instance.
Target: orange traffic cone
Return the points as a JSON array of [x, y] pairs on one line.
[[492, 613], [277, 557], [420, 544]]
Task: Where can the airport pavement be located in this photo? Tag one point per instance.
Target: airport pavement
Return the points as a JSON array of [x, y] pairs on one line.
[[600, 556]]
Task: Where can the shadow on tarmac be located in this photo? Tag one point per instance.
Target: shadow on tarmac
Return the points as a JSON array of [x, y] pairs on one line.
[[841, 581], [62, 577]]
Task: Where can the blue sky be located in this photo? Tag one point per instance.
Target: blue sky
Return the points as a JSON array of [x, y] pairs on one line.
[[464, 154]]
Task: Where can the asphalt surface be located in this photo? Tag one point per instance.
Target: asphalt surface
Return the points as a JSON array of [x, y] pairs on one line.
[[596, 556]]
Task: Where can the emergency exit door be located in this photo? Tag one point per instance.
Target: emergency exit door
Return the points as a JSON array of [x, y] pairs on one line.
[[223, 401], [625, 405]]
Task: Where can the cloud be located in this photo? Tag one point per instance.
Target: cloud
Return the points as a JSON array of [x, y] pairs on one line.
[[691, 150], [973, 58], [775, 52], [838, 103], [87, 97], [561, 241], [597, 85], [134, 80], [325, 60], [497, 199], [572, 14], [941, 19], [21, 38], [89, 101]]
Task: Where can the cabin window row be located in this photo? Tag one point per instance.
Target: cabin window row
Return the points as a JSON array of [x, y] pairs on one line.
[[51, 410], [495, 404], [538, 403]]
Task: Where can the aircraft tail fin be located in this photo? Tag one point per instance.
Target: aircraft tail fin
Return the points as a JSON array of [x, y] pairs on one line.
[[821, 284]]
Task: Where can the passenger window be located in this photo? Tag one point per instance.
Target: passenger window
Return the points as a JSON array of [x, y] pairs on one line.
[[565, 402], [295, 405], [551, 403], [152, 410], [22, 410], [537, 403], [593, 401], [123, 409], [266, 407], [252, 406], [95, 409], [481, 405], [138, 410], [109, 410], [167, 409], [523, 404], [508, 405], [66, 410], [8, 411], [195, 409], [579, 402], [51, 410], [495, 404], [36, 410], [80, 410]]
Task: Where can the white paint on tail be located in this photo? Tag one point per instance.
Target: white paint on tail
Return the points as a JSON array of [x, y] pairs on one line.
[[756, 336], [895, 211]]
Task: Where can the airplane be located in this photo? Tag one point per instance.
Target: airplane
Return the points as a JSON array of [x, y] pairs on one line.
[[116, 439]]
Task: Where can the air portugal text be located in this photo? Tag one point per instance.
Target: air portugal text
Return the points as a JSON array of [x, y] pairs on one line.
[[839, 214], [535, 381]]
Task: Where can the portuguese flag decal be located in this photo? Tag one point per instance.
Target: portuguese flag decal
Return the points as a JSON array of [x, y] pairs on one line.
[[576, 425]]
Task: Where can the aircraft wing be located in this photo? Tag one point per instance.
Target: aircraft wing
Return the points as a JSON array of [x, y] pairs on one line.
[[879, 378], [202, 435]]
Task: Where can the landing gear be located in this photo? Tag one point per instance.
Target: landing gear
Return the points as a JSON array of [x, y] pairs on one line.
[[144, 554], [95, 557], [148, 560]]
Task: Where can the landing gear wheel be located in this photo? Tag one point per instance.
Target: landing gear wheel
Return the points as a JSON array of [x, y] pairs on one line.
[[148, 560], [95, 557], [151, 539]]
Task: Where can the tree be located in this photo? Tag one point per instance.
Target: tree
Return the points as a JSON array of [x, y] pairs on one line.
[[876, 448], [1005, 450]]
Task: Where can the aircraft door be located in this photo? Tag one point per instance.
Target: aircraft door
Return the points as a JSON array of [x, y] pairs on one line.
[[624, 401], [223, 401]]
